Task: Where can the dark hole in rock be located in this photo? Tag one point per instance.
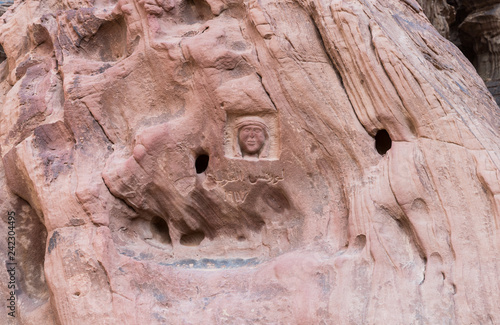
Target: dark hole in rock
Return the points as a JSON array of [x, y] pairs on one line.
[[159, 229], [3, 56], [383, 142], [201, 163], [192, 239], [360, 242]]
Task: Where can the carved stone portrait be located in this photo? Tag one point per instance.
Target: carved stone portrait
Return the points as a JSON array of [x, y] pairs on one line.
[[253, 135]]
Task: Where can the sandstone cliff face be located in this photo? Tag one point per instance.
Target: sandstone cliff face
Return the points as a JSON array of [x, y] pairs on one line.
[[474, 26], [244, 162]]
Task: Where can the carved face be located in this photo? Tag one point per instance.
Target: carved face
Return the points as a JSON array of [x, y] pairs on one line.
[[251, 139]]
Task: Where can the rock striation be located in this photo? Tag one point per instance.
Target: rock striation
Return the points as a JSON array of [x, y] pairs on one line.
[[246, 162], [474, 26]]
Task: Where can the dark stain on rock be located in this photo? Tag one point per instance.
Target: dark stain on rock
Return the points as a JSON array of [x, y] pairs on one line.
[[207, 263], [53, 241], [76, 222]]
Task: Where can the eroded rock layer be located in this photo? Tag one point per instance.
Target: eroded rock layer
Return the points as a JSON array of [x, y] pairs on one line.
[[246, 162]]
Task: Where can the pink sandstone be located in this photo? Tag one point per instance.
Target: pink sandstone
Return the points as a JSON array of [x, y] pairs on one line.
[[140, 197]]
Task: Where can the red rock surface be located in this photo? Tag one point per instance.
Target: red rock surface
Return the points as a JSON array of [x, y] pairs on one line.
[[111, 109], [474, 26]]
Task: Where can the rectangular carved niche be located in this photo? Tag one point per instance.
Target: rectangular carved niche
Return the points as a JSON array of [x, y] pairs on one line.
[[252, 137]]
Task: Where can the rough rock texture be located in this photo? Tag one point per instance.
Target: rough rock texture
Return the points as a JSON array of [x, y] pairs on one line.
[[441, 14], [474, 26], [225, 162]]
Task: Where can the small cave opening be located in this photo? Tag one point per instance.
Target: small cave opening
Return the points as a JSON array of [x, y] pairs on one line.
[[160, 231], [383, 142], [192, 239], [201, 163]]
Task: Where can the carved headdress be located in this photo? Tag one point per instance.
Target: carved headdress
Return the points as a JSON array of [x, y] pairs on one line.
[[251, 120]]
